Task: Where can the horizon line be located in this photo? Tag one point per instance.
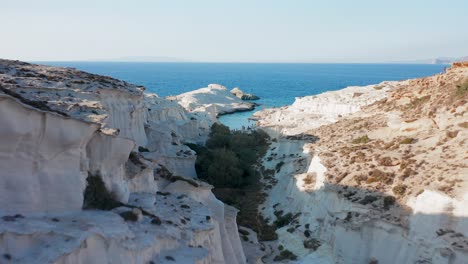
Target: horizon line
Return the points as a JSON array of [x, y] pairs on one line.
[[245, 62]]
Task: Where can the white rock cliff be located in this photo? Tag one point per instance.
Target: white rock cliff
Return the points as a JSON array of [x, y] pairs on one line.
[[62, 127]]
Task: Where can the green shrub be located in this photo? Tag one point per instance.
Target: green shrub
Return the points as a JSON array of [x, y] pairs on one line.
[[379, 176], [361, 140], [129, 216], [378, 87], [388, 201], [462, 89], [142, 149], [399, 190], [227, 159], [96, 195], [312, 244], [163, 172], [285, 254], [283, 220], [244, 232], [407, 141], [279, 165]]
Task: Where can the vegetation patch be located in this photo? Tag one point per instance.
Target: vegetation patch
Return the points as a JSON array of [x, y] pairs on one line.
[[407, 173], [230, 162], [463, 125], [462, 89], [170, 258], [283, 220], [361, 140], [388, 201], [229, 156], [380, 176], [285, 255], [407, 140], [129, 216], [243, 232], [142, 149], [399, 189], [163, 172], [386, 161], [418, 101], [279, 165], [134, 157], [96, 195], [368, 199], [312, 244]]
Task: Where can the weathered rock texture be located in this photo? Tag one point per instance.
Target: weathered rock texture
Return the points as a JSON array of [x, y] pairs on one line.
[[60, 129], [212, 101], [244, 96], [374, 174]]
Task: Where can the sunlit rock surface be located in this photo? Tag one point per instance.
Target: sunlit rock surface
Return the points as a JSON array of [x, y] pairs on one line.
[[213, 100], [61, 126], [374, 174]]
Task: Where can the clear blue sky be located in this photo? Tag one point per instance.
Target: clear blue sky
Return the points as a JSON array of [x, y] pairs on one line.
[[234, 30]]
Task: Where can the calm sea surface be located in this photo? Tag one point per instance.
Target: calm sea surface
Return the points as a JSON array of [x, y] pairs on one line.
[[276, 84]]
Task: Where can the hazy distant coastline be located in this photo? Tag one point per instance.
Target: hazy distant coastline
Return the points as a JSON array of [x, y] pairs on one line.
[[437, 60]]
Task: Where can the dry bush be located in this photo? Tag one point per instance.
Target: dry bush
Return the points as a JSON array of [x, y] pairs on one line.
[[407, 140], [388, 161], [463, 125], [379, 176], [408, 172], [360, 178], [452, 134], [399, 190], [309, 179], [361, 140]]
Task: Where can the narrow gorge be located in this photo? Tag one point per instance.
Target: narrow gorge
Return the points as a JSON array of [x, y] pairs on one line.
[[97, 170]]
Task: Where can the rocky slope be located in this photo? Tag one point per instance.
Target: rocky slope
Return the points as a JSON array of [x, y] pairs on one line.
[[374, 174], [94, 170]]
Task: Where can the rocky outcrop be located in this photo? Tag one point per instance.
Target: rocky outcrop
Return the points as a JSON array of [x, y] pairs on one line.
[[461, 64], [212, 101], [383, 178], [313, 111], [243, 96], [95, 171]]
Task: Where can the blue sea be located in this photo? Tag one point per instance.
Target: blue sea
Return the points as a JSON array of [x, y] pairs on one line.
[[276, 84]]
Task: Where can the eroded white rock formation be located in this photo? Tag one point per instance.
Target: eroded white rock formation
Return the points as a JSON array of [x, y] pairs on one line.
[[59, 127], [213, 100], [313, 111]]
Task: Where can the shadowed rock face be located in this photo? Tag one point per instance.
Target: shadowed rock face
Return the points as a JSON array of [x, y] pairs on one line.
[[244, 96], [61, 126], [385, 182]]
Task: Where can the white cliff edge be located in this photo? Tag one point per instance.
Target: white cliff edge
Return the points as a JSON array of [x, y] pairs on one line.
[[60, 127]]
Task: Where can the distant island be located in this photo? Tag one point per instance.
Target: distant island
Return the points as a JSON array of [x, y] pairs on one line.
[[438, 60]]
